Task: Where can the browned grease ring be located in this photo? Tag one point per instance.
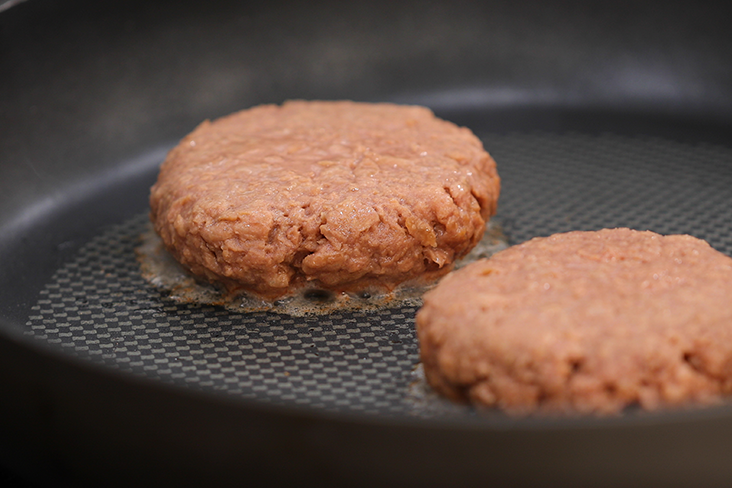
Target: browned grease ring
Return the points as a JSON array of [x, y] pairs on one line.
[[161, 270]]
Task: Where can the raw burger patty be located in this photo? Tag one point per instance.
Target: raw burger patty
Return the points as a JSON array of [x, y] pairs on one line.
[[583, 321], [342, 195]]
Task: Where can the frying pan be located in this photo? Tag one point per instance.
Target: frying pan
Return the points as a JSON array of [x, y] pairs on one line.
[[599, 114]]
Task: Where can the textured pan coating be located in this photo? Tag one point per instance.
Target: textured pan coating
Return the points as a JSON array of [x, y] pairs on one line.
[[342, 195], [586, 322]]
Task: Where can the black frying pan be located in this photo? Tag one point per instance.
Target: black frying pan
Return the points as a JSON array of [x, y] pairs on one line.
[[599, 114]]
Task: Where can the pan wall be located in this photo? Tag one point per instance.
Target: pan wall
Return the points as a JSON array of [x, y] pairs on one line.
[[86, 84]]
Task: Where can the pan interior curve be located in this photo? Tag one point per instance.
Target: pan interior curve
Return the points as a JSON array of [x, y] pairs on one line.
[[95, 304]]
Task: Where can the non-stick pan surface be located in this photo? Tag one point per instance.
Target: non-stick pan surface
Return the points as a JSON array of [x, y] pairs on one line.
[[599, 115]]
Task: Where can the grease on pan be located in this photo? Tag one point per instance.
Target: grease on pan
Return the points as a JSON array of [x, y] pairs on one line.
[[161, 270]]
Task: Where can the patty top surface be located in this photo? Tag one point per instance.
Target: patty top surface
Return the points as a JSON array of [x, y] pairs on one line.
[[584, 321], [340, 194]]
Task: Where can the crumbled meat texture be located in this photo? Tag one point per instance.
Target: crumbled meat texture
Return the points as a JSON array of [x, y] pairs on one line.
[[342, 195], [586, 322]]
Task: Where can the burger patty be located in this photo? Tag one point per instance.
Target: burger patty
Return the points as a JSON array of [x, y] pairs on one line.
[[589, 322], [339, 195]]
